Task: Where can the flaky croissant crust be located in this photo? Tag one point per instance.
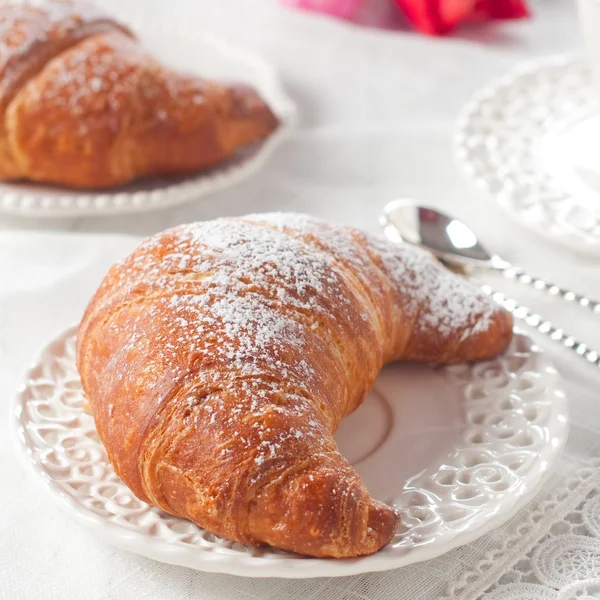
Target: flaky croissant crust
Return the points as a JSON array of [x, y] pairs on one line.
[[220, 357], [83, 104]]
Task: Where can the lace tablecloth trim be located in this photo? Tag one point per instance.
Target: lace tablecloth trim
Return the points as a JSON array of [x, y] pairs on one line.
[[551, 552]]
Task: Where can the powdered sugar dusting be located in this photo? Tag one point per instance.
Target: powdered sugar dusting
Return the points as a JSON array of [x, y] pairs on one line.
[[260, 288], [93, 82], [246, 302], [236, 294], [254, 281], [454, 304], [24, 25], [32, 32]]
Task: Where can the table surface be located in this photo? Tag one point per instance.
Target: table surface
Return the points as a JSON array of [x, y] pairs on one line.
[[377, 110]]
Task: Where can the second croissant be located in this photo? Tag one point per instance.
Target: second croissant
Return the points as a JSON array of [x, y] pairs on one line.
[[83, 104]]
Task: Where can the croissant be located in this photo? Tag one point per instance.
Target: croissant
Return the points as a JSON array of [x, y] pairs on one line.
[[220, 357], [82, 103]]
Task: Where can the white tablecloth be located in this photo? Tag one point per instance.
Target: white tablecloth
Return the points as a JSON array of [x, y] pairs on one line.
[[376, 116]]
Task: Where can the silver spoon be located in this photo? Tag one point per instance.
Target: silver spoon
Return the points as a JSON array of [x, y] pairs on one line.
[[452, 241], [457, 246]]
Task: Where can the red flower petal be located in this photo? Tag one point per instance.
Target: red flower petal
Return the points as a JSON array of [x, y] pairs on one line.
[[436, 17], [503, 9], [454, 12]]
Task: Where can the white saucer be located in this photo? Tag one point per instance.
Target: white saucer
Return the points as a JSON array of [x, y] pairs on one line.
[[195, 52], [459, 450], [532, 140]]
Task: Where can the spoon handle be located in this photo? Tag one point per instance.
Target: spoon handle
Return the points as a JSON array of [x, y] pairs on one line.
[[537, 322], [517, 274]]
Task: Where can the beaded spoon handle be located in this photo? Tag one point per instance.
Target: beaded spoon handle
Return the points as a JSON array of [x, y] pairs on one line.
[[517, 274], [543, 326]]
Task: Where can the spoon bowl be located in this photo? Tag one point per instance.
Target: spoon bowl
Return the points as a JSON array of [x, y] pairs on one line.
[[446, 237]]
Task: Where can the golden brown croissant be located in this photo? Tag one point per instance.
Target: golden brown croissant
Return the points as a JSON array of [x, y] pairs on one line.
[[220, 357], [84, 105]]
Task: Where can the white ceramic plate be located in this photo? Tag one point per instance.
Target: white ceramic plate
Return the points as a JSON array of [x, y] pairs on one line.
[[532, 140], [458, 450], [195, 52]]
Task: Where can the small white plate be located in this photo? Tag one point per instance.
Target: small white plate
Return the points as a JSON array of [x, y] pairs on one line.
[[532, 140], [194, 52], [458, 450]]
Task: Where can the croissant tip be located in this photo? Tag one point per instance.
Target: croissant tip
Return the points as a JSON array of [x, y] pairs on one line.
[[382, 524], [248, 105]]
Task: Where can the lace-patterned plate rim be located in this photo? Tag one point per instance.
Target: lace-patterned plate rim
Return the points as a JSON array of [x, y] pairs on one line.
[[41, 201], [498, 136], [521, 390]]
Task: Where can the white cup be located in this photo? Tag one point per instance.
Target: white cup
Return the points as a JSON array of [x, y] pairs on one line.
[[589, 17]]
